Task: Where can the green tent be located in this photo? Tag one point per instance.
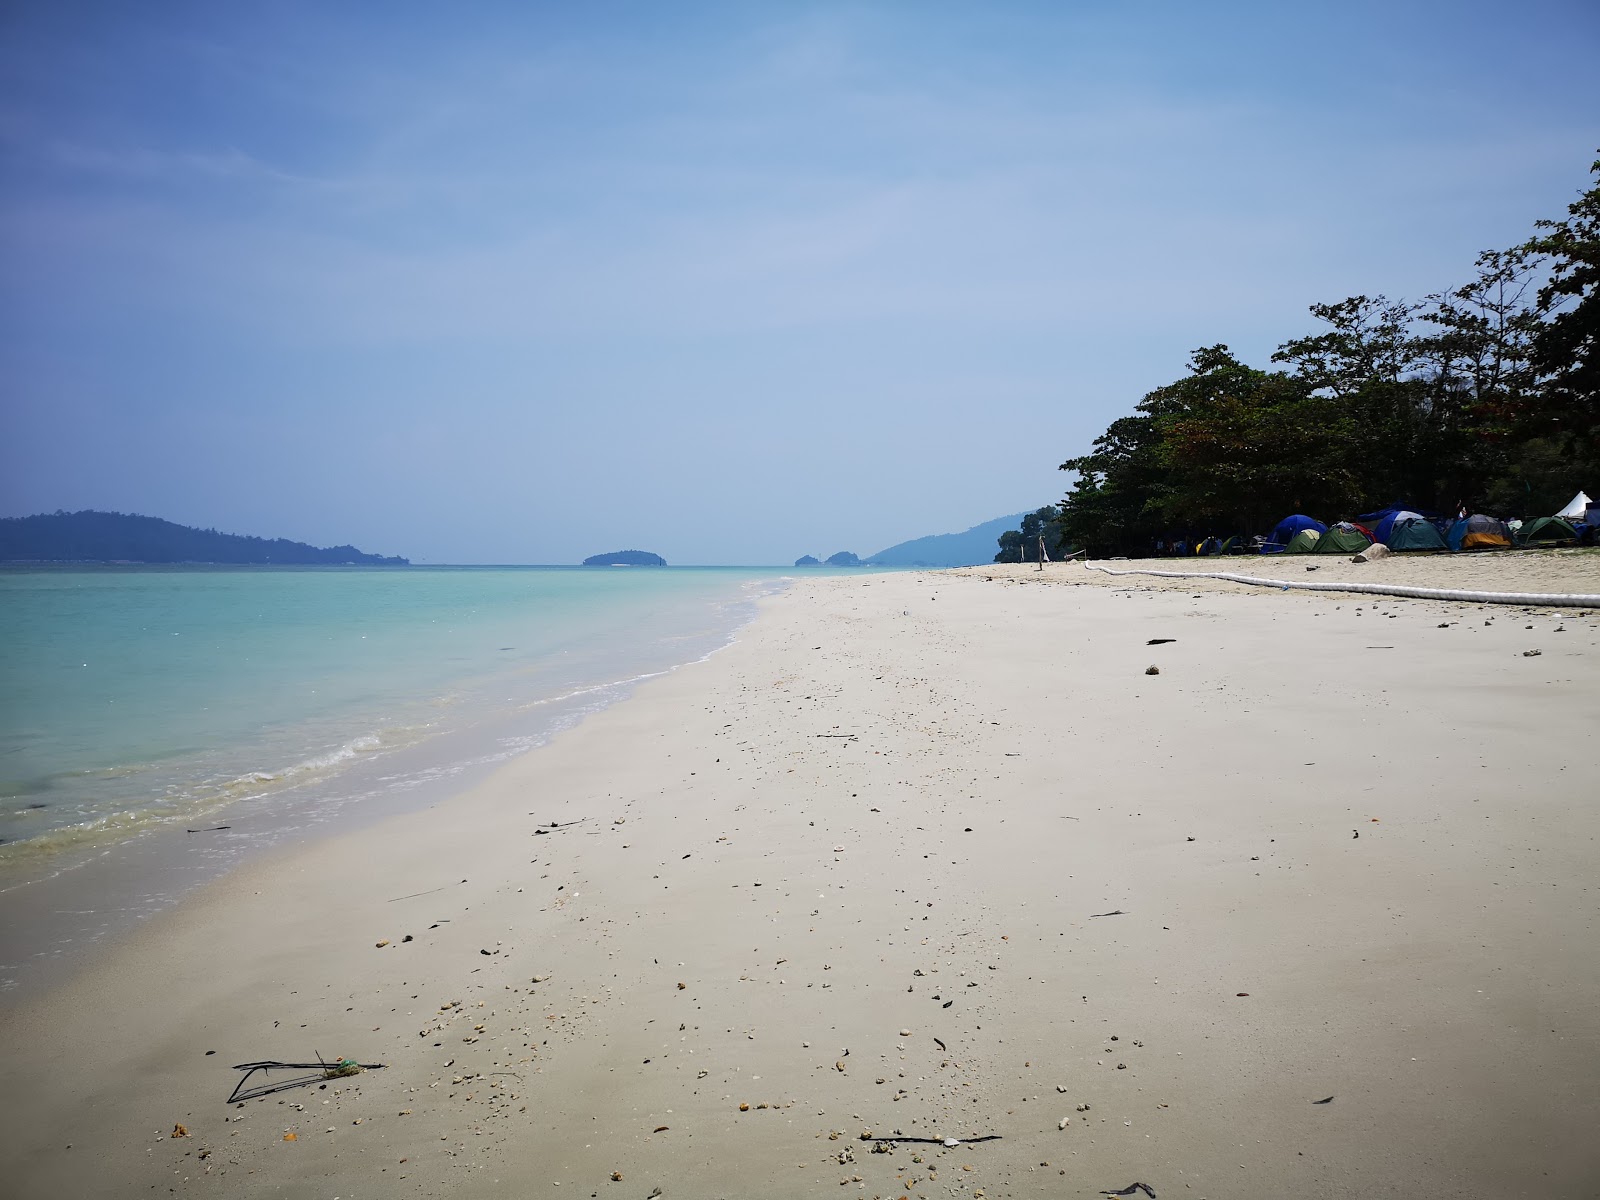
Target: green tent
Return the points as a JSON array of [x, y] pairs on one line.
[[1544, 531], [1415, 533], [1343, 538], [1304, 542], [1232, 545]]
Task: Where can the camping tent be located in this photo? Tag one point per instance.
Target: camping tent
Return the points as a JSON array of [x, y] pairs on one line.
[[1413, 533], [1231, 545], [1304, 542], [1384, 523], [1343, 538], [1479, 532], [1209, 547], [1577, 510], [1546, 530], [1284, 532]]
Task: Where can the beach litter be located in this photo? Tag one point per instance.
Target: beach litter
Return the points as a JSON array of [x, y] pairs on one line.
[[1327, 1100], [1152, 669], [319, 1071], [554, 825], [1132, 1189]]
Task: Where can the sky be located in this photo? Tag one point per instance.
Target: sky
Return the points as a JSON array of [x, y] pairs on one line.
[[734, 283]]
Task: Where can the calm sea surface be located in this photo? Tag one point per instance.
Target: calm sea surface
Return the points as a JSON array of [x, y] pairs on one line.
[[147, 700]]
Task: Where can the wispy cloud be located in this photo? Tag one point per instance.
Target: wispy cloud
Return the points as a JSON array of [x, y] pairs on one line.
[[716, 228]]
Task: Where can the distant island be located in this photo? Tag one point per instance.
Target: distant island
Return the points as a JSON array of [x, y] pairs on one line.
[[974, 547], [625, 558], [967, 549], [113, 537]]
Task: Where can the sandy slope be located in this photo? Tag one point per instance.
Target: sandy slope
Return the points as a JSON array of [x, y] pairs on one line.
[[898, 804]]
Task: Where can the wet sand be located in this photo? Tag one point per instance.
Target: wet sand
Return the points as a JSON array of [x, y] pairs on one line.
[[928, 854]]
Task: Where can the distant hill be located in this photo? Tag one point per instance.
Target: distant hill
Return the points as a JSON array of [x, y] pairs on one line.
[[625, 558], [808, 560], [972, 548], [91, 536], [845, 558]]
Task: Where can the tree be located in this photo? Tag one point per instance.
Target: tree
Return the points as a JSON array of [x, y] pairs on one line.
[[1112, 502], [1250, 446], [1010, 547], [1375, 371], [1489, 391], [1224, 449], [1022, 545], [1566, 347], [1479, 365], [1369, 341]]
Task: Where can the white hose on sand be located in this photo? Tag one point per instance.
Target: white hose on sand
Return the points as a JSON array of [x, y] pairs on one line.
[[1530, 599]]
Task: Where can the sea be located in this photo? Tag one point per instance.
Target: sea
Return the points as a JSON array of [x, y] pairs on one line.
[[158, 724]]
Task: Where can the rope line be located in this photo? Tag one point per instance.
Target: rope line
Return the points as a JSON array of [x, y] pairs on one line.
[[1534, 599]]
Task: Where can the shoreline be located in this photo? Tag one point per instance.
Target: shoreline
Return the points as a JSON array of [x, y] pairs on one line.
[[69, 890], [892, 788]]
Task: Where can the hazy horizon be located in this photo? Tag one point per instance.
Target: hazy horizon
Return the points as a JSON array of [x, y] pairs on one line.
[[730, 283]]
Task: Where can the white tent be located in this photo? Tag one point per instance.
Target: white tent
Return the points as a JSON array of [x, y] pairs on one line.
[[1577, 510]]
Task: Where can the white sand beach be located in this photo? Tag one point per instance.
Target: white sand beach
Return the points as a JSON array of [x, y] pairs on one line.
[[1568, 570], [1311, 912]]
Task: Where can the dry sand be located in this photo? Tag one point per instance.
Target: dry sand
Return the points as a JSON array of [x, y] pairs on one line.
[[847, 873], [1571, 570]]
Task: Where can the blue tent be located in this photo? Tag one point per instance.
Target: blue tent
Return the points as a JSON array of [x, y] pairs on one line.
[[1382, 522], [1283, 533], [1386, 522]]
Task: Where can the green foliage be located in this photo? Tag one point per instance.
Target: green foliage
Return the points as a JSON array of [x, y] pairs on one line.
[[1566, 348], [1483, 394], [1022, 545], [1537, 478]]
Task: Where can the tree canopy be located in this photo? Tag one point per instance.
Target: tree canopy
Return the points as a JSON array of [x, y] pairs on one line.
[[1483, 394]]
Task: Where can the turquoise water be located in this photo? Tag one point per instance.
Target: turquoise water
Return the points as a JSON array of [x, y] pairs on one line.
[[136, 699]]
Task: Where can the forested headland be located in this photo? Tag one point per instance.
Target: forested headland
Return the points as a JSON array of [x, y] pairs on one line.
[[1482, 395], [91, 536]]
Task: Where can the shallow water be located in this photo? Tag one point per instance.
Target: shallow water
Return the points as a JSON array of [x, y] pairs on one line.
[[158, 725], [137, 698]]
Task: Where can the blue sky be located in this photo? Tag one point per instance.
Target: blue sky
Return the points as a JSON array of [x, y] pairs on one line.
[[730, 282]]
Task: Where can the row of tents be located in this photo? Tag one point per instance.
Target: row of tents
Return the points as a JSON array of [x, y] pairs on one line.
[[1403, 529]]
